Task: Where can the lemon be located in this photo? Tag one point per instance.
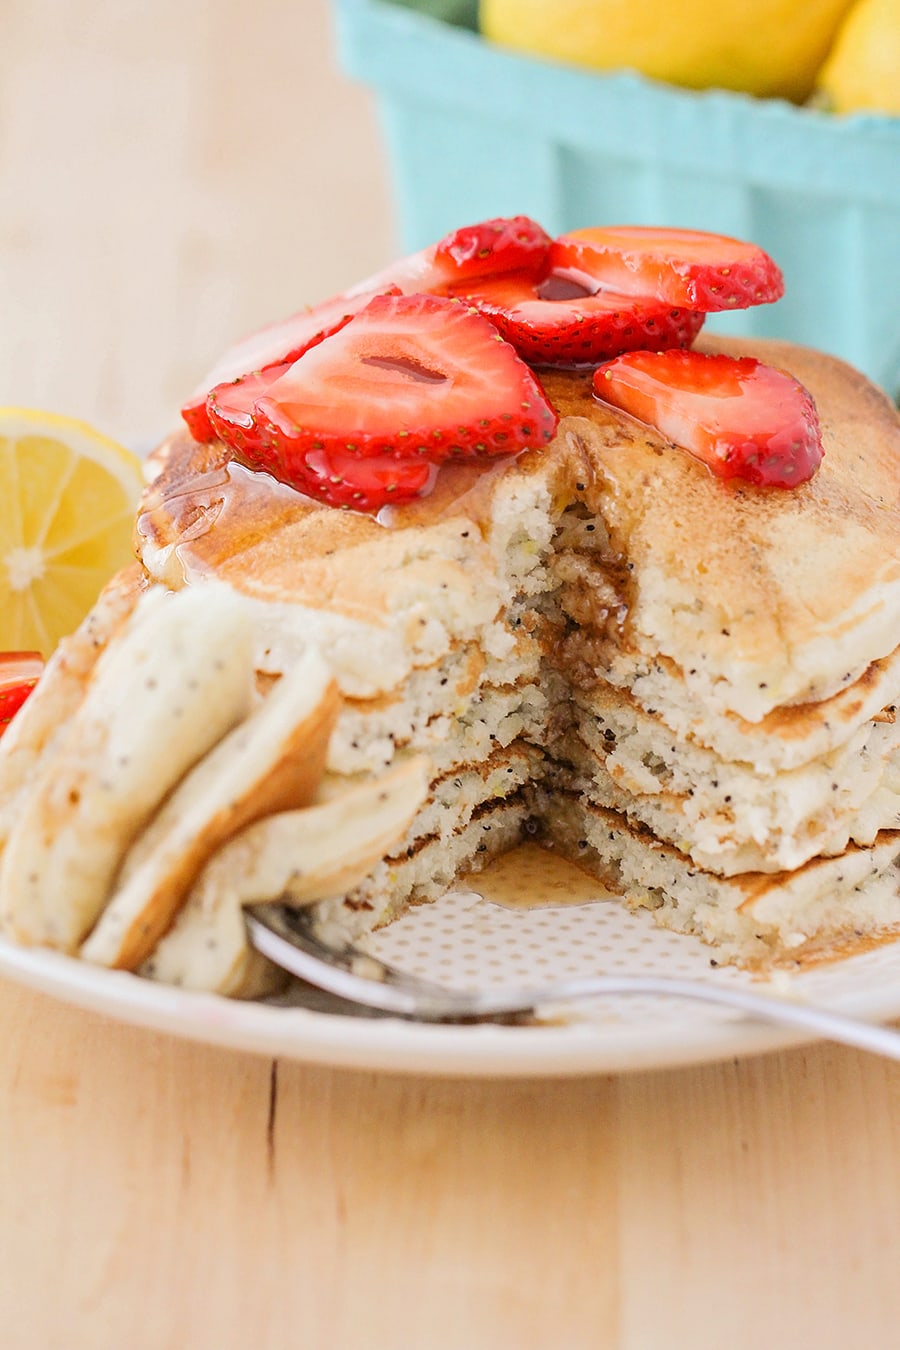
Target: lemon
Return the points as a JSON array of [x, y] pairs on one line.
[[862, 73], [763, 47], [67, 503]]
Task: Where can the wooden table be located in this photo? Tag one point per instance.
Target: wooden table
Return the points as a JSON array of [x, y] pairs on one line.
[[167, 1195]]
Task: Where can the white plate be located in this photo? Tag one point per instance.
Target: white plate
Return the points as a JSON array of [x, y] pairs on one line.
[[465, 940]]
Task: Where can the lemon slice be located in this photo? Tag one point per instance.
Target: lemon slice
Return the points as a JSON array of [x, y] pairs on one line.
[[67, 503]]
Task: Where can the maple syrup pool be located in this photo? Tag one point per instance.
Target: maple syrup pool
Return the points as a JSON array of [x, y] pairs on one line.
[[533, 877]]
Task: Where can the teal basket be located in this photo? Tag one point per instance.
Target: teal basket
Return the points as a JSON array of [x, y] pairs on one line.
[[474, 131]]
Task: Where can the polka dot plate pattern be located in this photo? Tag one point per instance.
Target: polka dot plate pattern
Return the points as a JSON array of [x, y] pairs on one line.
[[466, 942]]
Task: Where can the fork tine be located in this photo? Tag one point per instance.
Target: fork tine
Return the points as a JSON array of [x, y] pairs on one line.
[[288, 937]]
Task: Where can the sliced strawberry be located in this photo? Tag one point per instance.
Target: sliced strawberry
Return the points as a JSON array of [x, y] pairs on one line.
[[19, 673], [507, 244], [341, 479], [414, 377], [514, 244], [278, 343], [491, 248], [690, 268], [743, 419], [231, 408], [559, 322]]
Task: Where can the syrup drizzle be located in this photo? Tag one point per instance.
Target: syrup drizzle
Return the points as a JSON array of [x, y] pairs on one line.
[[533, 877], [557, 287], [414, 370]]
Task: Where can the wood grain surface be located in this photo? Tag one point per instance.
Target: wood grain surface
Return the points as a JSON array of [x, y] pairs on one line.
[[164, 1195], [171, 175]]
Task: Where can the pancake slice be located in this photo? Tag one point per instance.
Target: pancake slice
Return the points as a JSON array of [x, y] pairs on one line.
[[727, 815], [60, 690], [271, 762], [424, 871], [753, 918], [299, 857], [762, 597], [786, 738], [178, 676]]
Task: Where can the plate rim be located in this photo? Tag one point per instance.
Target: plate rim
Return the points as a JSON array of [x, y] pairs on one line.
[[394, 1046]]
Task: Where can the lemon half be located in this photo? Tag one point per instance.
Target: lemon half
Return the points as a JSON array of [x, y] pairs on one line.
[[67, 503]]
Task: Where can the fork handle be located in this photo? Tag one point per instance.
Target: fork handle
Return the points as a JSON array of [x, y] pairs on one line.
[[823, 1022]]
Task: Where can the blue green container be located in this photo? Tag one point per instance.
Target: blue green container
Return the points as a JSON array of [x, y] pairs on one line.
[[475, 131]]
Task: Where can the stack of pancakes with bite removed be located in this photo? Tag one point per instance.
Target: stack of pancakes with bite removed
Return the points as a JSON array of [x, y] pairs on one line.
[[687, 685]]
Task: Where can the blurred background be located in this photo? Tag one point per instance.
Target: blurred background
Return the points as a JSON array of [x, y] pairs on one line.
[[174, 175]]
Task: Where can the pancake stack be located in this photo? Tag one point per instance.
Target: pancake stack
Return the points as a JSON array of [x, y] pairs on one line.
[[687, 686]]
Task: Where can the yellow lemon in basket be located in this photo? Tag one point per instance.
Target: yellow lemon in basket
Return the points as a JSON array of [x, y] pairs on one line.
[[862, 73], [67, 503], [764, 47]]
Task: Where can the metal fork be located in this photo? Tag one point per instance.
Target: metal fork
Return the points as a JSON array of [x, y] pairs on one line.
[[289, 938]]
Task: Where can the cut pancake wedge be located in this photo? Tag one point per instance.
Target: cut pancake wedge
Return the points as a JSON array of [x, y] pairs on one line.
[[271, 762], [61, 688], [298, 856], [178, 677]]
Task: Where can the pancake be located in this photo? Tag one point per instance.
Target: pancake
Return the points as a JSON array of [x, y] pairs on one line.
[[725, 813], [174, 680], [271, 761], [30, 737], [296, 856], [830, 903], [762, 598]]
